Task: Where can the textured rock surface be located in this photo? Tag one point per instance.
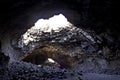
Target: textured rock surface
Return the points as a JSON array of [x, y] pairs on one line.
[[100, 60], [4, 60], [61, 41], [54, 30]]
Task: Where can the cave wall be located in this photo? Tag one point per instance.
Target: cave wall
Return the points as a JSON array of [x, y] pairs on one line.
[[100, 16], [95, 14]]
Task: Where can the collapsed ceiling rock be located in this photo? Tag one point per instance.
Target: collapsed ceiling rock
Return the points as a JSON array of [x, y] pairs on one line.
[[58, 39], [66, 56], [54, 30]]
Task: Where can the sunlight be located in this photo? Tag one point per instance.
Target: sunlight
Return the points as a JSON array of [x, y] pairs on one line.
[[44, 28], [53, 24], [51, 60], [56, 23]]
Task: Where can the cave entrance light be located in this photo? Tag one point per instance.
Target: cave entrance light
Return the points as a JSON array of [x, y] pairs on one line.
[[55, 23]]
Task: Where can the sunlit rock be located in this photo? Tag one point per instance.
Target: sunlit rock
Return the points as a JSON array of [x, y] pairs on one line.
[[53, 24], [56, 29]]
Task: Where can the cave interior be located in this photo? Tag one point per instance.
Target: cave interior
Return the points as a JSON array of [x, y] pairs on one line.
[[86, 42]]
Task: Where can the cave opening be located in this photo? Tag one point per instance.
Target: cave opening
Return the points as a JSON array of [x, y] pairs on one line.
[[55, 40], [71, 36], [42, 35]]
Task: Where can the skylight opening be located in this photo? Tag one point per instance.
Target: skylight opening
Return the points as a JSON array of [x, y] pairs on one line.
[[53, 24]]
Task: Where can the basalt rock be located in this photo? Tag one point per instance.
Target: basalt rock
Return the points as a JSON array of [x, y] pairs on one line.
[[62, 54], [64, 42], [4, 60]]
